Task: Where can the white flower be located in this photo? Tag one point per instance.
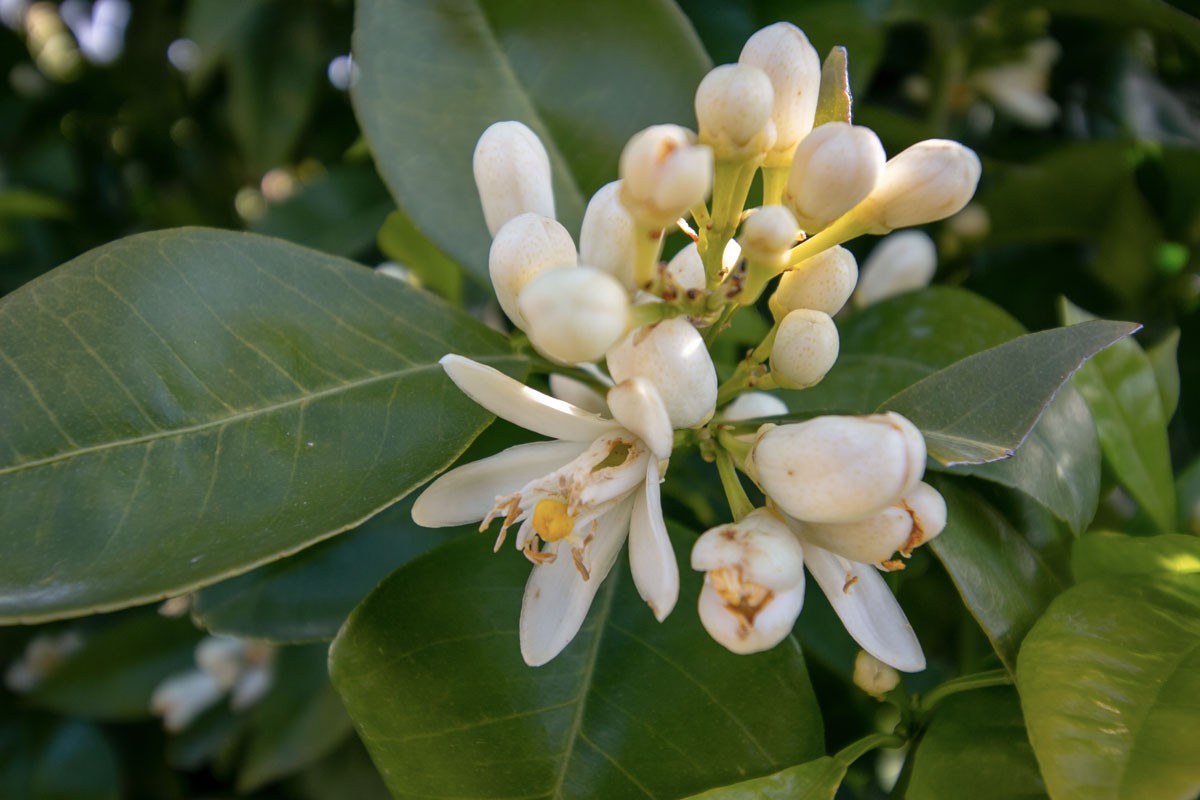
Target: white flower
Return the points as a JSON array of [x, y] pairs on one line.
[[822, 283], [512, 173], [44, 653], [733, 108], [663, 174], [242, 668], [574, 314], [805, 348], [671, 355], [834, 168], [902, 262], [574, 500], [784, 53]]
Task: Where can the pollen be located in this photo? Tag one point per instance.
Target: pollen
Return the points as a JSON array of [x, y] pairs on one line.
[[552, 521]]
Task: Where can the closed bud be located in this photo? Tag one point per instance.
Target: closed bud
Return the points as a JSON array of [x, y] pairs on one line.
[[929, 181], [901, 527], [873, 676], [823, 283], [512, 173], [524, 248], [901, 262], [663, 174], [686, 269], [806, 347], [838, 469], [754, 405], [767, 235], [733, 107], [835, 167], [606, 239], [574, 314], [784, 53], [672, 356], [753, 583]]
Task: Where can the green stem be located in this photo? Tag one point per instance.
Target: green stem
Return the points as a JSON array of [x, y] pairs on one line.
[[847, 227], [740, 378], [714, 330], [967, 683], [647, 246], [735, 493], [856, 750], [774, 182]]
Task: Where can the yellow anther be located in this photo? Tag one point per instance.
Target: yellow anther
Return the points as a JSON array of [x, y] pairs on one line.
[[551, 521]]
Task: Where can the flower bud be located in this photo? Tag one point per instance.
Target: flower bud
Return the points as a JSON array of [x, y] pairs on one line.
[[754, 582], [838, 469], [606, 239], [183, 697], [524, 248], [873, 676], [784, 53], [663, 174], [686, 269], [672, 356], [574, 314], [806, 347], [753, 405], [835, 167], [823, 283], [512, 173], [900, 263], [901, 527], [767, 235], [222, 657], [733, 107], [929, 181]]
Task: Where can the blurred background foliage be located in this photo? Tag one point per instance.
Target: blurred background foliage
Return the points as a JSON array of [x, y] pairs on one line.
[[122, 117]]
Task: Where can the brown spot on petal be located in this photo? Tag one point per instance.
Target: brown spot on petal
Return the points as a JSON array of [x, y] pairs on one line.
[[916, 536], [850, 581]]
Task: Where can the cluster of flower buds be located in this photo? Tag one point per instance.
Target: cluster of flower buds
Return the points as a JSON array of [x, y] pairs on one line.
[[844, 494], [241, 668]]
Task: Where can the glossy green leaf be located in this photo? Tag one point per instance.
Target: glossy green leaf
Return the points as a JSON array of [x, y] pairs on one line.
[[1105, 554], [1121, 388], [401, 241], [982, 408], [298, 722], [977, 741], [1164, 358], [211, 401], [812, 780], [1110, 686], [46, 759], [430, 670], [1003, 581], [583, 76], [119, 664]]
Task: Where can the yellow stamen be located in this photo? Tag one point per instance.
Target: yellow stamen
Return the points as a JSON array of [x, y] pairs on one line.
[[743, 597], [552, 521]]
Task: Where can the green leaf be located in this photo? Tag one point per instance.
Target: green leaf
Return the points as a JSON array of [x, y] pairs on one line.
[[208, 402], [430, 670], [812, 780], [1002, 579], [1187, 489], [982, 408], [1122, 391], [1164, 358], [976, 739], [46, 759], [298, 722], [1104, 554], [1109, 681], [834, 100], [215, 26], [120, 663], [401, 241], [347, 772], [1158, 16], [584, 77], [16, 203]]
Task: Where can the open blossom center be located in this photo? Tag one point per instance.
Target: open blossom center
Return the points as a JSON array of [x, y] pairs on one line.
[[743, 597]]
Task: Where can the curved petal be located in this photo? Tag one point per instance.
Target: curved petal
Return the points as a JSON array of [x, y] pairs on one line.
[[520, 405], [861, 597], [557, 598], [578, 394], [468, 493], [651, 557], [638, 407]]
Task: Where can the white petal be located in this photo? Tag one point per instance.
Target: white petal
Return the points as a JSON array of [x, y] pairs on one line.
[[468, 493], [867, 608], [578, 394], [183, 697], [556, 596], [639, 408], [651, 557], [520, 405], [771, 626]]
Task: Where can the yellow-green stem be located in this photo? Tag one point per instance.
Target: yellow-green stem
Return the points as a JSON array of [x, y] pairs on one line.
[[735, 493], [847, 227], [774, 182]]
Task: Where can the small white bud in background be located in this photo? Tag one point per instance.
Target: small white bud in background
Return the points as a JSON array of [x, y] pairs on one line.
[[901, 262], [835, 167], [733, 108], [43, 654], [873, 676], [901, 527], [1019, 88], [525, 247], [672, 356], [838, 469], [512, 174], [222, 657], [806, 347], [973, 222], [574, 314], [929, 181], [753, 583], [784, 53], [823, 283], [663, 174], [767, 235], [183, 697], [754, 405], [606, 239]]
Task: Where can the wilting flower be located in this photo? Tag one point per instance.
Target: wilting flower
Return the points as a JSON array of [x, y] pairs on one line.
[[574, 500]]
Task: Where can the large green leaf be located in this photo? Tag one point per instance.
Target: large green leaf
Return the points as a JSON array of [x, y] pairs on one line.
[[976, 744], [813, 780], [1104, 554], [1110, 686], [430, 670], [583, 76], [182, 406], [982, 408], [1121, 388], [1002, 579]]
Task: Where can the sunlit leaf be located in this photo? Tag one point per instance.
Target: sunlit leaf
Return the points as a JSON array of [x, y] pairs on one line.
[[1105, 554]]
